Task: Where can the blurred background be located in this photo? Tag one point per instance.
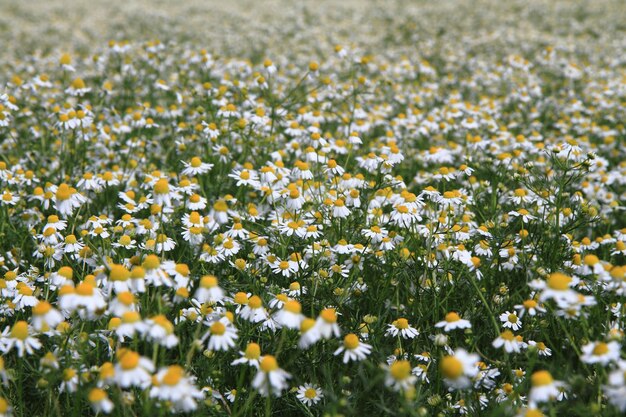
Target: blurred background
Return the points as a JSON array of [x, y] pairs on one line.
[[254, 29]]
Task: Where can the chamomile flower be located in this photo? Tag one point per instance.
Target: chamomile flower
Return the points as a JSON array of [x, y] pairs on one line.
[[326, 324], [18, 337], [558, 288], [399, 377], [160, 330], [45, 317], [401, 327], [543, 387], [615, 389], [290, 315], [510, 321], [453, 321], [270, 378], [508, 340], [196, 167], [222, 335], [99, 401], [459, 368], [132, 369], [353, 349], [309, 394], [601, 352], [209, 290], [172, 385], [251, 356]]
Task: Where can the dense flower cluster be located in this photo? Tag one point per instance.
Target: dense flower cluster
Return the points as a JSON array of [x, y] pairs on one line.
[[442, 232]]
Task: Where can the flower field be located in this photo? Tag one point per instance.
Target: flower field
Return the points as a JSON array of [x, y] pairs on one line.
[[313, 208]]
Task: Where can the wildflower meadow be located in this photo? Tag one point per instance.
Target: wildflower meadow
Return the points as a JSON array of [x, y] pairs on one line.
[[312, 208]]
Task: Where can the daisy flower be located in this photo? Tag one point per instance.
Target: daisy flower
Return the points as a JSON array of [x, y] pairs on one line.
[[122, 303], [132, 369], [67, 199], [209, 290], [453, 321], [326, 324], [542, 349], [99, 400], [402, 327], [601, 352], [353, 349], [510, 321], [195, 167], [222, 335], [45, 317], [558, 288], [285, 268], [543, 387], [308, 333], [309, 394], [170, 384], [254, 310], [290, 315], [399, 376], [615, 390], [251, 356], [18, 337], [270, 378], [530, 306], [130, 324], [458, 368], [509, 341], [160, 330], [245, 177]]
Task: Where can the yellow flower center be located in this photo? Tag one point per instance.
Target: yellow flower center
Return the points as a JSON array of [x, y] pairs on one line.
[[451, 367], [253, 351], [84, 289], [307, 324], [131, 317], [97, 395], [534, 413], [173, 375], [559, 281], [151, 262], [351, 341], [218, 328], [452, 317], [196, 162], [119, 272], [293, 306], [20, 330], [402, 324], [507, 335], [126, 298], [329, 315], [129, 360], [68, 374], [400, 370], [255, 302], [600, 349], [42, 308], [310, 393], [541, 378], [64, 192], [208, 281], [268, 363], [161, 186]]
